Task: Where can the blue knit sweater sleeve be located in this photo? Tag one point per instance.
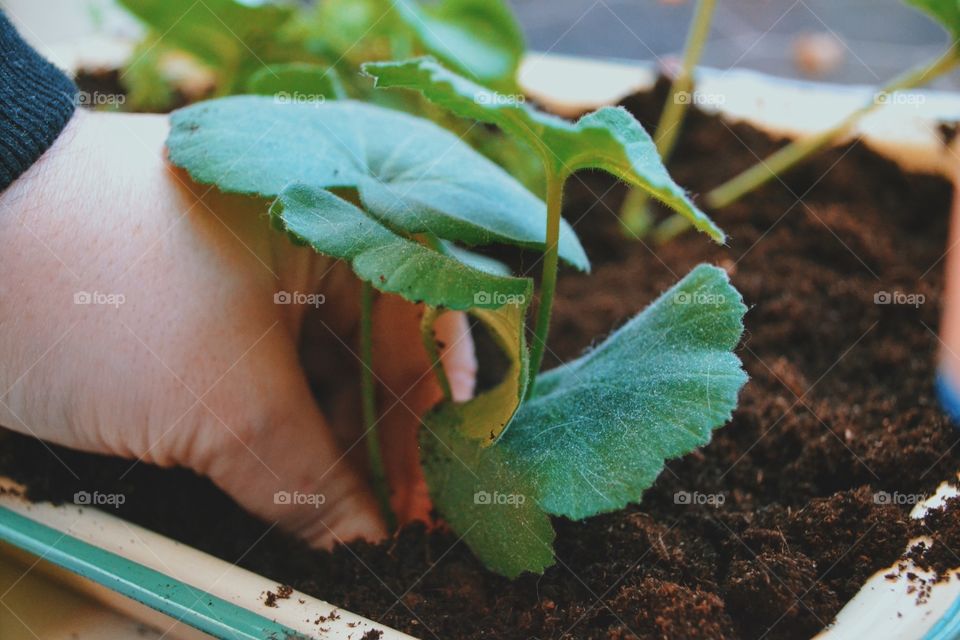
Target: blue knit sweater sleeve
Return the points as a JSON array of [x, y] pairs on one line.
[[36, 101]]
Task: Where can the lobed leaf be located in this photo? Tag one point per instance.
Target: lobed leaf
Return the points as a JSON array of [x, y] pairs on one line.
[[610, 139], [410, 173], [391, 263], [596, 432]]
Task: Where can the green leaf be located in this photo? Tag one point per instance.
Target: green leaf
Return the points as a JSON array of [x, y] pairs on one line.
[[297, 82], [485, 417], [478, 492], [480, 38], [946, 12], [483, 498], [476, 260], [609, 139], [147, 87], [354, 30], [391, 263], [410, 173], [596, 432], [229, 36]]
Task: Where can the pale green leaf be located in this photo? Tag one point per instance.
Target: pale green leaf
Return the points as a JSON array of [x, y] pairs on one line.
[[391, 263], [483, 498], [480, 38], [485, 417], [596, 432], [297, 82], [232, 37], [609, 139], [476, 260], [410, 173]]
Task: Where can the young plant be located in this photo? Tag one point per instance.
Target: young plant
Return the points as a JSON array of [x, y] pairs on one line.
[[609, 139], [238, 41], [947, 12], [635, 212], [587, 437]]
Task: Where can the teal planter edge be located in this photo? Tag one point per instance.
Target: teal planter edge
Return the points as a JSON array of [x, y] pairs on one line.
[[195, 607], [948, 626], [176, 599]]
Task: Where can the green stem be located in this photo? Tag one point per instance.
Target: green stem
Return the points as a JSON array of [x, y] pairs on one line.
[[795, 152], [548, 281], [430, 315], [635, 213], [369, 400]]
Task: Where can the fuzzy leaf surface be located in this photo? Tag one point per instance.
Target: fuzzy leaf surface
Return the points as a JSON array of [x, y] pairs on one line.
[[410, 173], [609, 139], [596, 432], [389, 262]]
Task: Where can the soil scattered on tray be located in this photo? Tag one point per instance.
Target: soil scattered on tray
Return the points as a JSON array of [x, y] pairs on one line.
[[837, 432]]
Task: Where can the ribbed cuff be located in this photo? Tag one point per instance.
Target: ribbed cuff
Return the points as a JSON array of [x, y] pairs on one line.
[[36, 102]]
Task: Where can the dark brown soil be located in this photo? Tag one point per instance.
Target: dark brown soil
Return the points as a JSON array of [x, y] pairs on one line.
[[839, 406]]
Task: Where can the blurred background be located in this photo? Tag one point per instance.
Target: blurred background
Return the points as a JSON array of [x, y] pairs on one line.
[[845, 41]]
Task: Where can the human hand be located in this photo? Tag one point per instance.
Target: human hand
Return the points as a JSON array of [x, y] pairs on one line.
[[139, 319]]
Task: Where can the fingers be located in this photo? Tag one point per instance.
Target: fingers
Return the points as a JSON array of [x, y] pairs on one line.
[[409, 389], [280, 461]]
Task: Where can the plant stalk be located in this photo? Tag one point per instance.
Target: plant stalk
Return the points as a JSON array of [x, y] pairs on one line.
[[369, 405], [795, 152], [427, 336], [635, 213], [548, 281]]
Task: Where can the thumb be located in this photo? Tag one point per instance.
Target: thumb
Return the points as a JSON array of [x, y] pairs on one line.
[[285, 465]]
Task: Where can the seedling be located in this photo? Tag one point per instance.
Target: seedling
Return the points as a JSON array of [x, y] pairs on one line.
[[244, 44], [635, 211], [947, 12], [609, 139], [585, 438]]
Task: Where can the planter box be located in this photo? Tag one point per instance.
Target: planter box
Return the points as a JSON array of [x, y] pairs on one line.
[[193, 595]]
